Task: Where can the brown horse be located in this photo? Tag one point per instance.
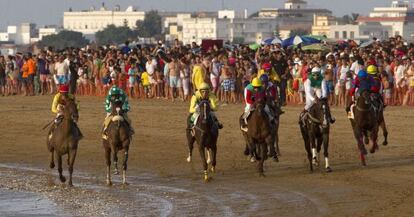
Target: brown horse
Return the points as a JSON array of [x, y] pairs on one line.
[[314, 127], [63, 140], [118, 138], [365, 124], [259, 135], [206, 134]]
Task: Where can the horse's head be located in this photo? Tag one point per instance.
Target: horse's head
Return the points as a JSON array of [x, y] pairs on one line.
[[70, 109], [116, 105], [205, 109], [321, 111], [364, 99]]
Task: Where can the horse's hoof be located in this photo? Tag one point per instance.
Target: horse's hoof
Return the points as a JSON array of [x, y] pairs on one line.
[[206, 179], [262, 175], [252, 160], [385, 143], [328, 169], [70, 184], [52, 165], [62, 179], [125, 184], [108, 183], [213, 169], [372, 150], [275, 159], [189, 159], [116, 172], [363, 164]]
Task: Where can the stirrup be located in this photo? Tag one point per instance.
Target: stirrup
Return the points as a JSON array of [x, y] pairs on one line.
[[244, 129]]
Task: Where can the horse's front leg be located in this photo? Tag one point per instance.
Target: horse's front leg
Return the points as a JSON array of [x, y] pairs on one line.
[[374, 138], [52, 159], [325, 137], [115, 159], [385, 132], [201, 149], [60, 170], [313, 145], [108, 165], [190, 144], [71, 159], [125, 163]]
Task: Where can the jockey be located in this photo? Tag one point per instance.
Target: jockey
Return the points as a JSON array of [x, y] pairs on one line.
[[376, 87], [116, 94], [270, 91], [58, 106], [315, 85], [360, 84], [253, 92], [268, 69], [203, 93]]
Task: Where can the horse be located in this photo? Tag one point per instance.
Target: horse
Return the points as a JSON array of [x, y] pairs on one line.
[[274, 151], [259, 136], [118, 138], [62, 140], [365, 121], [314, 127], [205, 134]]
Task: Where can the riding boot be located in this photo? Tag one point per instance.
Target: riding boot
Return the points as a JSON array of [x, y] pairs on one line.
[[131, 129], [219, 125], [77, 133]]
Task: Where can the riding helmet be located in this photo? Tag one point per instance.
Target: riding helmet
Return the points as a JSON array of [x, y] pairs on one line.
[[64, 88], [372, 70], [256, 82], [362, 74], [264, 78], [204, 86]]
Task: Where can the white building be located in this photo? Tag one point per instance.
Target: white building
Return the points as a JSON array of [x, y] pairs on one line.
[[358, 32], [197, 29], [19, 34], [91, 21], [45, 31]]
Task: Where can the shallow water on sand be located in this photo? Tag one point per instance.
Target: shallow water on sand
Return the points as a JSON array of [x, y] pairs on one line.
[[16, 204]]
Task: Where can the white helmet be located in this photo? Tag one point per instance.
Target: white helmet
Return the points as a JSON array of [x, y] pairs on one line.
[[316, 69]]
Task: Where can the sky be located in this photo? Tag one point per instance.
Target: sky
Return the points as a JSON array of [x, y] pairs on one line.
[[50, 12]]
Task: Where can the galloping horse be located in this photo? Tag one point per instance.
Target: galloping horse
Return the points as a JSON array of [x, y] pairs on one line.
[[63, 141], [314, 127], [365, 124], [118, 138], [206, 134], [259, 135]]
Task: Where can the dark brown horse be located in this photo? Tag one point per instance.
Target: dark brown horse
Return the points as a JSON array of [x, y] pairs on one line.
[[205, 134], [365, 124], [63, 140], [314, 127], [259, 135], [118, 138]]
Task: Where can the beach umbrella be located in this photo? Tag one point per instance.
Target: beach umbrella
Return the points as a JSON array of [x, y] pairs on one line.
[[316, 47], [296, 40], [318, 37], [367, 43], [274, 40]]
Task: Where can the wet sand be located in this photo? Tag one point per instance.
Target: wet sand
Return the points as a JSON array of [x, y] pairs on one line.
[[162, 183]]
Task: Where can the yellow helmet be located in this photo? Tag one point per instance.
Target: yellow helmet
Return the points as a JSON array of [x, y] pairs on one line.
[[256, 82], [204, 86], [372, 70]]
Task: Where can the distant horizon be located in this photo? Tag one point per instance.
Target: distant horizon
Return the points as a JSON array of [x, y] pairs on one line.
[[50, 12]]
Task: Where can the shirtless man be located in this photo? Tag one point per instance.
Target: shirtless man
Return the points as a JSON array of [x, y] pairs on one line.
[[174, 77], [329, 78]]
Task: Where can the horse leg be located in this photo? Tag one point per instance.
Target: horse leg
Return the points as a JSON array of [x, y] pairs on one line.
[[263, 153], [213, 155], [313, 145], [374, 137], [190, 143], [115, 159], [208, 155], [307, 145], [108, 166], [61, 177], [385, 132], [52, 159], [71, 159], [203, 159], [325, 137], [125, 163]]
